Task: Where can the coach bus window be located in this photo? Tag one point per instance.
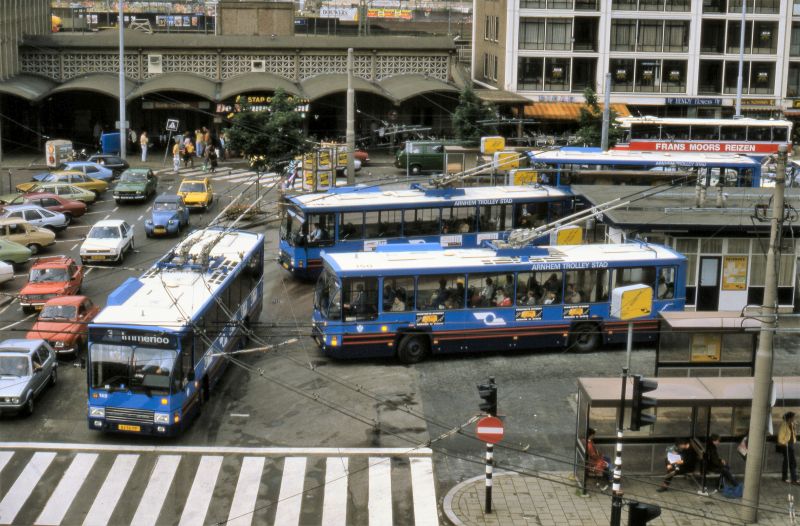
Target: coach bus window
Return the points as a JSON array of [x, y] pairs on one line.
[[371, 224], [780, 135], [666, 283], [494, 217], [482, 290], [360, 298], [733, 133], [351, 225], [440, 292], [390, 223], [530, 288], [530, 215], [398, 294], [644, 131], [705, 133], [458, 220], [758, 133], [421, 222], [320, 229], [622, 277], [110, 366]]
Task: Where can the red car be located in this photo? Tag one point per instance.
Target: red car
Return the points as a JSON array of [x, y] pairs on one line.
[[55, 203], [64, 323], [50, 277]]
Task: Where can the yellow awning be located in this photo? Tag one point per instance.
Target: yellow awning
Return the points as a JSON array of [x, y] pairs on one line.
[[566, 111]]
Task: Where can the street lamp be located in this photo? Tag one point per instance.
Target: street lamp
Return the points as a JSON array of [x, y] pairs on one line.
[[122, 124]]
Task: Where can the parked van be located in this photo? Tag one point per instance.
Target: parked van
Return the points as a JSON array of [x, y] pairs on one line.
[[421, 156]]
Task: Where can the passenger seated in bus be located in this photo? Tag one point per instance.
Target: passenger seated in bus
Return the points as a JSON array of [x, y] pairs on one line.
[[664, 288], [318, 234], [463, 227], [550, 297], [508, 288], [501, 300], [388, 297], [553, 284], [458, 295], [399, 301], [440, 295], [572, 295], [487, 294], [531, 298]]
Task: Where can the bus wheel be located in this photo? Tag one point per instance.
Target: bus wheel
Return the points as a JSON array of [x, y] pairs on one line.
[[413, 349], [585, 337]]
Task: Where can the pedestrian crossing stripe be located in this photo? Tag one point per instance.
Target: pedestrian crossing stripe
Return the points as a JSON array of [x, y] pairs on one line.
[[112, 485]]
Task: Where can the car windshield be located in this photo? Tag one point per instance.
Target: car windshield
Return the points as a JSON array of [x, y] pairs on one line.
[[133, 177], [14, 366], [158, 207], [44, 275], [119, 367], [327, 296], [104, 232], [59, 312], [193, 187]]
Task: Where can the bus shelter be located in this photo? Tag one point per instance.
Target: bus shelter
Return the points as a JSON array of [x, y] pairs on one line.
[[707, 343], [691, 408]]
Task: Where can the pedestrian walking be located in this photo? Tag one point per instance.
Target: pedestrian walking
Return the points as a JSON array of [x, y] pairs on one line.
[[787, 436], [132, 138], [198, 141], [176, 156], [144, 142], [188, 153], [212, 157]]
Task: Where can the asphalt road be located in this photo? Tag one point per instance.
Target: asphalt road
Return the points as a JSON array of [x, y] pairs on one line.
[[383, 419]]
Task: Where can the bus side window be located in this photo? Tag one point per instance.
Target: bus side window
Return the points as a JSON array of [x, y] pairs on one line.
[[351, 225], [530, 215], [440, 292], [458, 220], [780, 135], [622, 277], [320, 229], [390, 223], [371, 226], [666, 283], [398, 294], [421, 222], [360, 298]]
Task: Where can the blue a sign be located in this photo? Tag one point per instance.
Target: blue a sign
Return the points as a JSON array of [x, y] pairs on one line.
[[693, 101]]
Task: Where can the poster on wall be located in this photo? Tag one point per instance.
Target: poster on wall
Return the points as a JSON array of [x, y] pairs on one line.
[[706, 348], [734, 273]]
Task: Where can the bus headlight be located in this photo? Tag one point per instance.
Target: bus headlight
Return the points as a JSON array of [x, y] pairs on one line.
[[97, 412], [161, 418]]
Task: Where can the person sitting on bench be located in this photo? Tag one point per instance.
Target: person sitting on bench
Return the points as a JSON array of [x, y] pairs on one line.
[[680, 460], [715, 463]]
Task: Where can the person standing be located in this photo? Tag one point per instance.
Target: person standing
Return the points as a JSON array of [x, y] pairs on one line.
[[132, 138], [787, 436], [198, 140], [144, 142], [176, 155]]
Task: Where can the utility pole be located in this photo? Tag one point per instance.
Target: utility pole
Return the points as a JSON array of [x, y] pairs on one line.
[[123, 136], [606, 114], [351, 121], [760, 409]]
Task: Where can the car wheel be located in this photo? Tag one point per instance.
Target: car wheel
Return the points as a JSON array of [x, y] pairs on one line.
[[53, 377], [68, 217], [121, 258], [29, 406], [96, 194], [415, 169], [148, 234], [34, 248], [130, 247], [117, 201]]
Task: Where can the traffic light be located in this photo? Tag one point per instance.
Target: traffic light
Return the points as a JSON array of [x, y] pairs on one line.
[[639, 514], [641, 403], [488, 393]]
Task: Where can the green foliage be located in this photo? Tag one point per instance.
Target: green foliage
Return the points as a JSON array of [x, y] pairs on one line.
[[468, 113], [268, 137], [591, 123]]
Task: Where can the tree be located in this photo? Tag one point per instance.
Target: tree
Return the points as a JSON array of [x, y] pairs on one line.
[[591, 122], [268, 137], [469, 112]]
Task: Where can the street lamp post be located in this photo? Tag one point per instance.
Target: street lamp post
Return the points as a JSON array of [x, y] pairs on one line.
[[123, 138]]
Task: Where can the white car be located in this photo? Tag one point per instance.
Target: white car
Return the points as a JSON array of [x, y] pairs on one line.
[[108, 240], [6, 272]]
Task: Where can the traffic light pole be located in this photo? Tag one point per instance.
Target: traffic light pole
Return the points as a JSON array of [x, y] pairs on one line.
[[616, 485], [489, 469]]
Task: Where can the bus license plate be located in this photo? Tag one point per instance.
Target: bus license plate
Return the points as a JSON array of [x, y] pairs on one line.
[[124, 427]]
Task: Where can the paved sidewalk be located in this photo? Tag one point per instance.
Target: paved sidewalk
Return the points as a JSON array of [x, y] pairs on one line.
[[554, 498]]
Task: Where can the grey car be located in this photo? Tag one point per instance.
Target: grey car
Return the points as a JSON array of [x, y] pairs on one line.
[[38, 216], [27, 367]]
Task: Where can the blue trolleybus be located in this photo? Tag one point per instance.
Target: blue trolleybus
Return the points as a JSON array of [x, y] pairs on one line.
[[155, 349], [355, 219], [415, 300]]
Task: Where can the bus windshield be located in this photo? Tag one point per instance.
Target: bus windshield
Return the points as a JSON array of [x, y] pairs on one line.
[[120, 367], [328, 296], [291, 228]]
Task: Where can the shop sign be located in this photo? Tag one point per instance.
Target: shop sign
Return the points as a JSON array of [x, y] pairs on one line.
[[758, 102], [349, 14], [257, 103], [693, 101], [404, 14], [153, 105], [558, 98]]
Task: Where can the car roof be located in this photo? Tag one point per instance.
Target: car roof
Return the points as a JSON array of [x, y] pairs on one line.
[[52, 262], [20, 345], [28, 206], [168, 198], [81, 163], [66, 300], [137, 170], [109, 222], [11, 220], [66, 172], [40, 195], [195, 179]]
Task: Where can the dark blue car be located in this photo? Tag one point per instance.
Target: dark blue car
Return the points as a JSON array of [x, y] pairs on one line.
[[168, 217]]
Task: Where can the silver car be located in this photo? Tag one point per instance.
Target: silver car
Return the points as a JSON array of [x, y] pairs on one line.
[[36, 215], [26, 368]]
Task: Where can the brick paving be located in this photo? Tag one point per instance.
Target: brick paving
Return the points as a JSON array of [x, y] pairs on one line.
[[554, 498]]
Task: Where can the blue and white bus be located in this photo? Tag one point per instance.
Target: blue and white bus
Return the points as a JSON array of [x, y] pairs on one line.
[[568, 166], [355, 219], [155, 350], [427, 299]]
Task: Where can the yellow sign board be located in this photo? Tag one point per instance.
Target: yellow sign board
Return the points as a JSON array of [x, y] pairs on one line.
[[490, 145], [734, 273], [506, 160], [706, 347], [568, 235], [524, 176], [631, 302]]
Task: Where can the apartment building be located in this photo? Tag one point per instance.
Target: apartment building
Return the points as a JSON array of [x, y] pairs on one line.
[[666, 57]]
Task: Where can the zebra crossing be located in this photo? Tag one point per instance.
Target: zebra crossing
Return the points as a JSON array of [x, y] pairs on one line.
[[94, 485], [230, 175]]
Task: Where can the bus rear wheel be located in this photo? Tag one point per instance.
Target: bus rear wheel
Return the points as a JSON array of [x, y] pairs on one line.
[[413, 349], [585, 337]]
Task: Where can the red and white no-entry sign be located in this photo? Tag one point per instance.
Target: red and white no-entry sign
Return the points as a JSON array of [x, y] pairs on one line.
[[490, 429]]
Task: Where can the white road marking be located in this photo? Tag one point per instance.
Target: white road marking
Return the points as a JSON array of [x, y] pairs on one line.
[[156, 492], [88, 271], [78, 226], [140, 217], [5, 456], [240, 415], [380, 491], [106, 499], [170, 187], [334, 502], [10, 303], [106, 217], [196, 506], [18, 494], [115, 209], [29, 316], [244, 498], [74, 247], [79, 239], [211, 450], [423, 490], [149, 208], [62, 497], [290, 498]]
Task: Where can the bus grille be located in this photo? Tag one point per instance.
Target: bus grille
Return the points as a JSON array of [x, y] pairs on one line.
[[118, 414]]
